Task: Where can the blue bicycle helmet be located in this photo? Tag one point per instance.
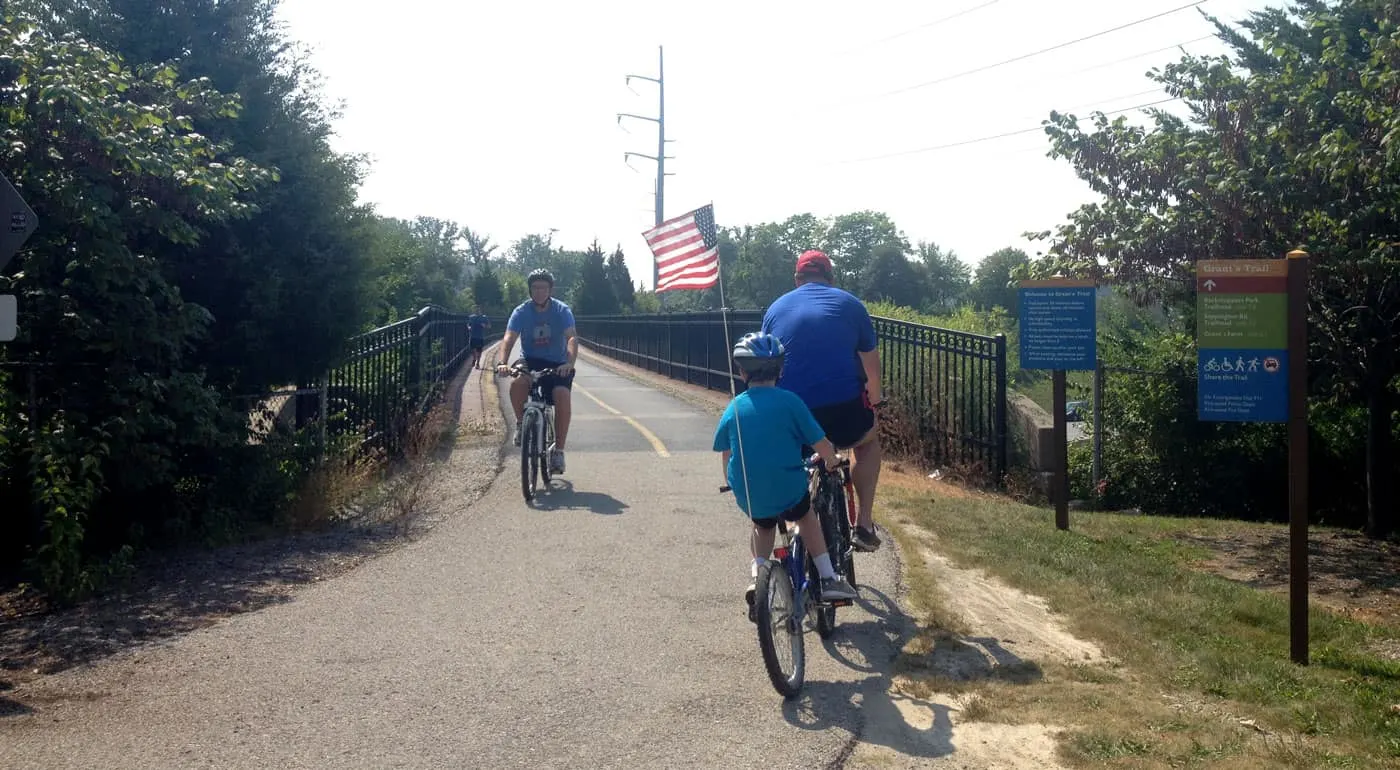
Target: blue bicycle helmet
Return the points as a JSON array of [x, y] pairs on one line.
[[759, 355]]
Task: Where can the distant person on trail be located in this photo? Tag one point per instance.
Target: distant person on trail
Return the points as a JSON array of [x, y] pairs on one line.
[[834, 367], [768, 475], [548, 340], [477, 324]]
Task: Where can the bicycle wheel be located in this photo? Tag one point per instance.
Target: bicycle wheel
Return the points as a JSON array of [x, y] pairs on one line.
[[779, 630], [841, 513], [835, 548], [529, 454], [547, 431]]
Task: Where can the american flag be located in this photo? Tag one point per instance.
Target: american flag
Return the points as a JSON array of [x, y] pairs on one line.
[[686, 249]]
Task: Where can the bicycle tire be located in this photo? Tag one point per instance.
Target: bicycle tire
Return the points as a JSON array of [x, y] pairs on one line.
[[841, 514], [546, 420], [773, 576], [825, 505], [529, 455]]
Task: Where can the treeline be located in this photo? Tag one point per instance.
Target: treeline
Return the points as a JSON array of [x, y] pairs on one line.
[[200, 245], [873, 258]]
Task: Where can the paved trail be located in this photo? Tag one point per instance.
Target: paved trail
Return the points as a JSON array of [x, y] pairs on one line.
[[602, 628]]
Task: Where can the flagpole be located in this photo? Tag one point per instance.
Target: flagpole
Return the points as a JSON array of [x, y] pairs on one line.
[[729, 347]]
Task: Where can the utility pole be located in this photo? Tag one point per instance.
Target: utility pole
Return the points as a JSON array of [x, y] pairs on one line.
[[660, 157]]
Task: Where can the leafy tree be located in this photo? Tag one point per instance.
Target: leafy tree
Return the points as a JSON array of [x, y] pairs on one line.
[[620, 279], [109, 158], [991, 285], [851, 240], [295, 267], [532, 251], [763, 265], [1292, 142], [479, 246], [892, 277], [593, 294], [949, 278], [486, 289]]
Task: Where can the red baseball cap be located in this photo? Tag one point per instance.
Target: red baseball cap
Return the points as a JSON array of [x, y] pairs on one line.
[[813, 261]]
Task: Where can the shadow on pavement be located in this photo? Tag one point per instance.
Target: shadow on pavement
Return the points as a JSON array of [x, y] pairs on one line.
[[561, 496], [872, 708]]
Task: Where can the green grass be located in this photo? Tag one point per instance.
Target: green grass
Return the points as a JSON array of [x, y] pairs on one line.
[[1123, 582]]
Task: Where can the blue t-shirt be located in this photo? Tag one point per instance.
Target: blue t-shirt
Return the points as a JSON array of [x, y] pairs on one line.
[[477, 324], [822, 327], [542, 331], [775, 424]]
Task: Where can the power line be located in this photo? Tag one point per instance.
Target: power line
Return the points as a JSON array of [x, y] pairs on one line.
[[933, 23], [1056, 47], [981, 139], [1141, 55]]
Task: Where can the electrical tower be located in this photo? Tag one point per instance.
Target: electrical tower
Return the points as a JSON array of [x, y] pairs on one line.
[[660, 157]]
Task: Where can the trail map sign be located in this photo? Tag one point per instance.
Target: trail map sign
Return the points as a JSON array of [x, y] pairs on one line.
[[1242, 340]]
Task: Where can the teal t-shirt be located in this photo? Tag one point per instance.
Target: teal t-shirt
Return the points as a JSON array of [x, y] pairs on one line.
[[775, 424]]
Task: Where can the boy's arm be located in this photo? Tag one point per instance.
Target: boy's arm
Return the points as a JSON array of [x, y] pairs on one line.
[[724, 465], [827, 450]]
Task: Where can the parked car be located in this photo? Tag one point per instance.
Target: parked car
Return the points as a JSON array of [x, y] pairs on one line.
[[1074, 410]]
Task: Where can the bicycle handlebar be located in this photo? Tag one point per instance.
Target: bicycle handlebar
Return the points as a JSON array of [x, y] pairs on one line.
[[815, 461], [518, 369]]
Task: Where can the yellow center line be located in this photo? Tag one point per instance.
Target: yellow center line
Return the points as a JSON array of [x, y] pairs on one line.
[[642, 429]]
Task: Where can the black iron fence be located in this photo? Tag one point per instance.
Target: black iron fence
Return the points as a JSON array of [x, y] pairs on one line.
[[392, 374], [947, 388], [683, 346]]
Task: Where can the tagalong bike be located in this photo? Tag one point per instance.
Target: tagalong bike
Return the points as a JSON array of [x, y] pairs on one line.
[[536, 430], [787, 589]]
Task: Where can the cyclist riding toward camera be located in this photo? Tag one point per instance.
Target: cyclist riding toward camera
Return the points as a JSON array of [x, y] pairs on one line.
[[765, 471], [834, 367], [545, 328]]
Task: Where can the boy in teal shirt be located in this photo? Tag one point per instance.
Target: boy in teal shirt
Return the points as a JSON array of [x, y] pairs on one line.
[[769, 481]]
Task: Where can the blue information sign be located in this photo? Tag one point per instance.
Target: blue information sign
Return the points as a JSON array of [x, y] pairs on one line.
[[1246, 385], [1059, 324]]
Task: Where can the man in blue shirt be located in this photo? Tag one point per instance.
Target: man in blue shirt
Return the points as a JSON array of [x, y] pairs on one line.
[[477, 324], [833, 365], [545, 328]]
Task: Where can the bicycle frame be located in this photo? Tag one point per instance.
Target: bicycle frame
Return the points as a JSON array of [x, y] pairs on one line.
[[538, 413]]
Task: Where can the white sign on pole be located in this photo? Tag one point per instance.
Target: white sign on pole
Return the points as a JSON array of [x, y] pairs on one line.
[[9, 318]]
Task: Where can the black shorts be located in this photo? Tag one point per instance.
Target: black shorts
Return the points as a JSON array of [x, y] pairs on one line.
[[845, 423], [477, 344], [790, 515], [551, 381]]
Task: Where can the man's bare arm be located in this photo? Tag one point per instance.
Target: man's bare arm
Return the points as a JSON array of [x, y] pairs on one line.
[[871, 361], [507, 342], [571, 344]]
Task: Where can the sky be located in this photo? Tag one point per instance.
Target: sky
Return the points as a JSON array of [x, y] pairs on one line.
[[502, 116]]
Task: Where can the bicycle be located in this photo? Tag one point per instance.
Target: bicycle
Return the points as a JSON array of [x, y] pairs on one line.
[[784, 594], [536, 430], [835, 502]]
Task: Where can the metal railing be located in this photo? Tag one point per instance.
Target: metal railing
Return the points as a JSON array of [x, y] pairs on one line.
[[393, 373], [947, 388]]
